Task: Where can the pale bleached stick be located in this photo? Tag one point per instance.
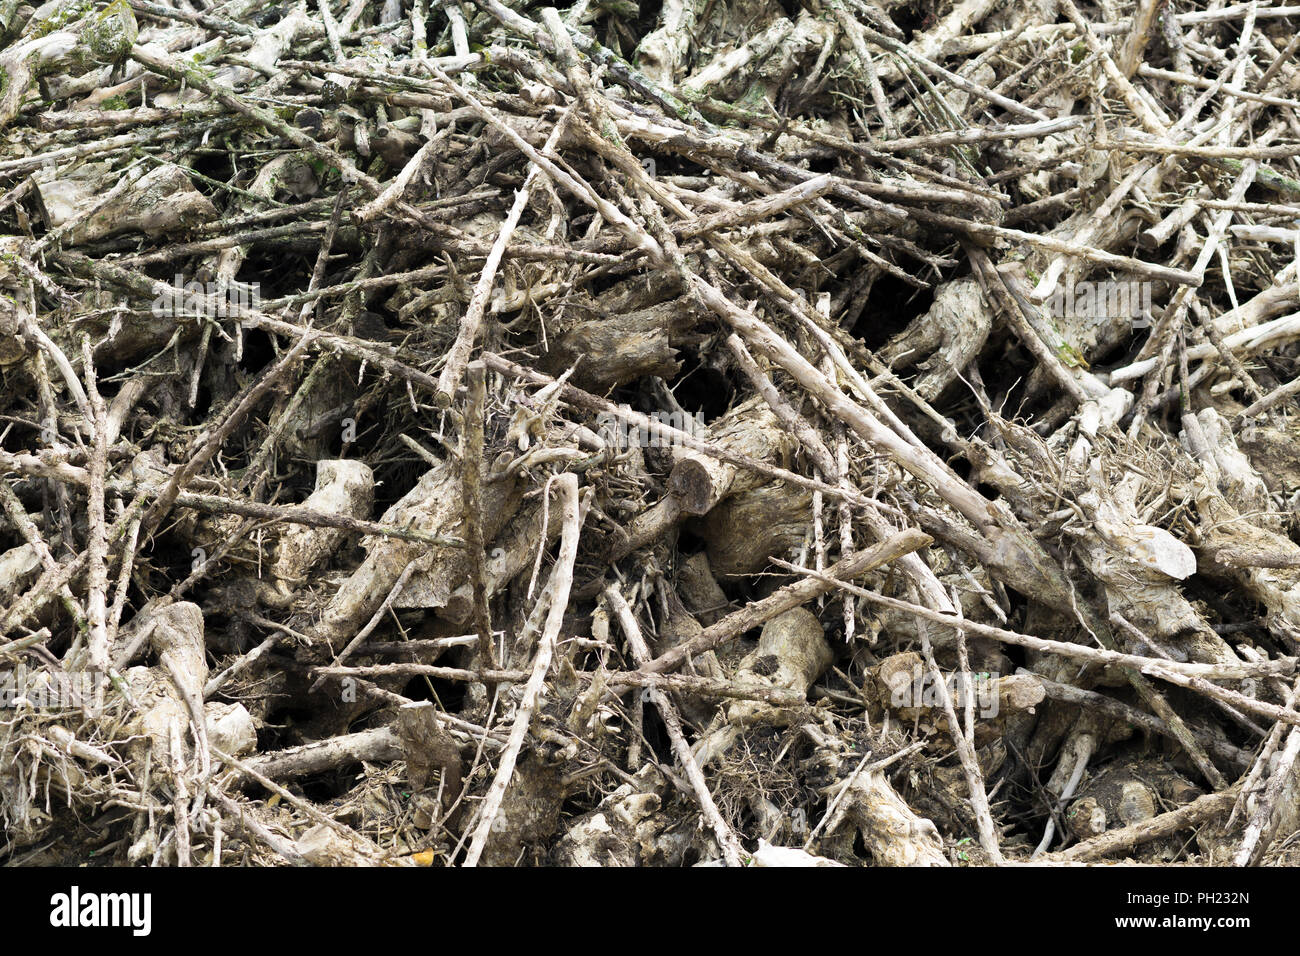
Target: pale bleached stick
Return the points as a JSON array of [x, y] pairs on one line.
[[557, 590], [458, 354], [963, 738], [97, 533], [727, 840], [1191, 675]]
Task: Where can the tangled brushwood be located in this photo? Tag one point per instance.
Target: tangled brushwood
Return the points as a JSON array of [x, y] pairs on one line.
[[708, 432]]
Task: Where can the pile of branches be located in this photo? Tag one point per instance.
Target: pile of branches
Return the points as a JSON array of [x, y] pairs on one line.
[[847, 432]]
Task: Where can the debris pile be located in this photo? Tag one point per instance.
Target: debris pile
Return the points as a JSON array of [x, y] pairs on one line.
[[745, 432]]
